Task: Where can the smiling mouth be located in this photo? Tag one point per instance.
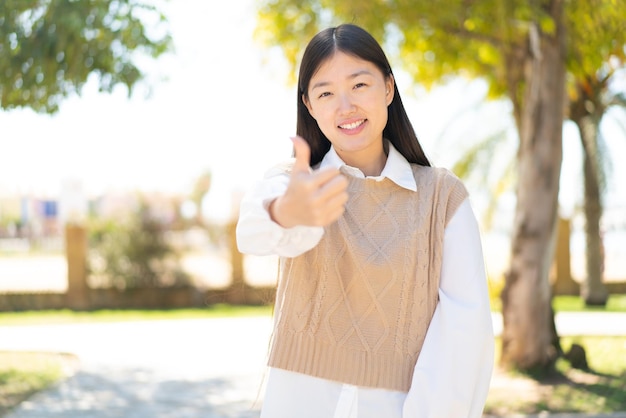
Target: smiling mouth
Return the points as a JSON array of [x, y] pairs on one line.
[[353, 125]]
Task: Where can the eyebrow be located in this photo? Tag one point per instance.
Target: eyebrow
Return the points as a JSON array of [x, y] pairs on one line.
[[350, 77]]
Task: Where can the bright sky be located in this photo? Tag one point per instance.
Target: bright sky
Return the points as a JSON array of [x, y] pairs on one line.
[[220, 109]]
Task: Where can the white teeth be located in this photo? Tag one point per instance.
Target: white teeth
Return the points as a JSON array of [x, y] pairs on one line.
[[352, 125]]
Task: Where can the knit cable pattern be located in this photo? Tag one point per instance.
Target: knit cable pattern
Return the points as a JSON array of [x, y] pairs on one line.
[[356, 308]]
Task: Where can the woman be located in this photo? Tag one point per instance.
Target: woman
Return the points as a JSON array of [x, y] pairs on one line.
[[382, 307]]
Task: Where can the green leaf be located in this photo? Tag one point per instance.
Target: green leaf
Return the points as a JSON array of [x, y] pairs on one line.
[[49, 48]]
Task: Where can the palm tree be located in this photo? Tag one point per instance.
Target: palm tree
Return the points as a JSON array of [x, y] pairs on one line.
[[590, 101]]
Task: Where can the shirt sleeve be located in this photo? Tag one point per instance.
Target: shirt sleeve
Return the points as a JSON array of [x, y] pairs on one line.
[[258, 234], [453, 372]]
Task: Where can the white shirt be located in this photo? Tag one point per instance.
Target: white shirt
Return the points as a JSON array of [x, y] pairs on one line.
[[452, 375]]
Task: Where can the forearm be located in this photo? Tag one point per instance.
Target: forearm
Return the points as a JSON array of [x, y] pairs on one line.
[[259, 234]]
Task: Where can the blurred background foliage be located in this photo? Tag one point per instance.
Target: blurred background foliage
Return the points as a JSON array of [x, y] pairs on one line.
[[49, 48], [133, 252]]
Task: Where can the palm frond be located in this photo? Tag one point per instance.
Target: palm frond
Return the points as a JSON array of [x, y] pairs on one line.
[[478, 165]]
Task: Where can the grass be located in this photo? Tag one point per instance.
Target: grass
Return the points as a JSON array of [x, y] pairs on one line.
[[601, 389], [65, 316], [616, 303], [23, 374]]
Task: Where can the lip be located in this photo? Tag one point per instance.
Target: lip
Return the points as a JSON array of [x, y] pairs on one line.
[[356, 129]]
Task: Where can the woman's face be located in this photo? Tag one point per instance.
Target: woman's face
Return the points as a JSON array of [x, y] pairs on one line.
[[348, 97]]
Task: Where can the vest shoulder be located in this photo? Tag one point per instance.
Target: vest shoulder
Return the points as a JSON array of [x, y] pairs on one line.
[[447, 189], [438, 174]]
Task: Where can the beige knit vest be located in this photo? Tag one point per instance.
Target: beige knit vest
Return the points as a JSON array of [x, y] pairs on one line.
[[356, 308]]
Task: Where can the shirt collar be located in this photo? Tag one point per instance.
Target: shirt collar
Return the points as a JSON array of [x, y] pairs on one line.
[[397, 168]]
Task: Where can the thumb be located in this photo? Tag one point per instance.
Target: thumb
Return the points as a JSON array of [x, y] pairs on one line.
[[303, 154]]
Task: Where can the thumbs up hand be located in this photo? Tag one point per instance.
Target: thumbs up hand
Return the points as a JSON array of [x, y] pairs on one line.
[[312, 198]]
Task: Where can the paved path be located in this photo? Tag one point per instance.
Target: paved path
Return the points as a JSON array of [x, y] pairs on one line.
[[155, 369], [199, 368]]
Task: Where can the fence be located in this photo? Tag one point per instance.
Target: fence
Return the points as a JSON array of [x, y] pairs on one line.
[[80, 296]]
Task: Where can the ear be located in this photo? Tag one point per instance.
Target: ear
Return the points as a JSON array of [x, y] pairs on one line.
[[307, 103], [389, 89]]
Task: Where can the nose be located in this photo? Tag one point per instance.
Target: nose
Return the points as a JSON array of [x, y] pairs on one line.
[[346, 104]]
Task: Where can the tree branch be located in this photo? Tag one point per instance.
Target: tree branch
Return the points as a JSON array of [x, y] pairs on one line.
[[465, 34]]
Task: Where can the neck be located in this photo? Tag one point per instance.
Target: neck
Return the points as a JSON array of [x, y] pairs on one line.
[[369, 164], [375, 167]]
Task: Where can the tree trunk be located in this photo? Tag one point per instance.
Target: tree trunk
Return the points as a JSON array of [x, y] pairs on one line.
[[592, 289], [528, 336], [563, 283], [238, 287]]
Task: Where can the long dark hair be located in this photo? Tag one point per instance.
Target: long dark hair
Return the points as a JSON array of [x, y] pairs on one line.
[[353, 40]]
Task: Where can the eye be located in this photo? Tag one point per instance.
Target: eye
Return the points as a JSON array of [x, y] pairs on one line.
[[324, 94], [359, 85]]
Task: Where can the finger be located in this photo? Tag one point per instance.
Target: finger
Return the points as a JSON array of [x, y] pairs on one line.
[[303, 155], [334, 214], [336, 201], [335, 186], [320, 177]]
